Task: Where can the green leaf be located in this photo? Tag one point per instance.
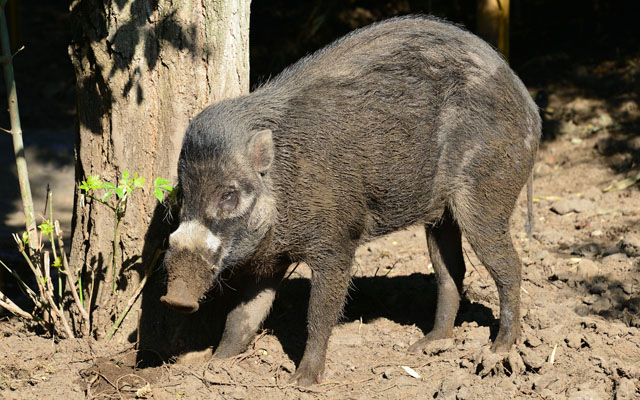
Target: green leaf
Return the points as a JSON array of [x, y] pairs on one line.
[[125, 175], [121, 190], [108, 185], [57, 263], [46, 227], [25, 238], [160, 181], [159, 194], [91, 183], [160, 186], [138, 182], [107, 195]]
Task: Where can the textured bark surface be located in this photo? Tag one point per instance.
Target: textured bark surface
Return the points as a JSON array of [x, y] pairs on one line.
[[143, 69]]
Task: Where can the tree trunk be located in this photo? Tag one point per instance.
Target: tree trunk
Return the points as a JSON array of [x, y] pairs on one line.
[[493, 24], [143, 69]]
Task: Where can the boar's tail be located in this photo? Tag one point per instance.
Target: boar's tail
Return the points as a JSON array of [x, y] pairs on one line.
[[529, 224]]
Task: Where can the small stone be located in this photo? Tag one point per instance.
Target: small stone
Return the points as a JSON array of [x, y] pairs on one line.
[[466, 363], [592, 193], [516, 363], [544, 381], [587, 268], [630, 244], [614, 261], [390, 373], [542, 255], [509, 387], [400, 345], [543, 169], [532, 359], [533, 341], [586, 394], [464, 393], [574, 340], [627, 286], [566, 206], [625, 389], [548, 394]]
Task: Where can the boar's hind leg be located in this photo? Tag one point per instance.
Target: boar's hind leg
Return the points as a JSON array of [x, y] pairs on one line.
[[245, 318], [445, 251], [329, 285], [493, 246]]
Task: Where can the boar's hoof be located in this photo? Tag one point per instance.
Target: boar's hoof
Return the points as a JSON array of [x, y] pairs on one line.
[[179, 298], [305, 378]]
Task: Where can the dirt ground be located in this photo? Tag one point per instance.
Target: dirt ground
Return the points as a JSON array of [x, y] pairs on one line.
[[580, 289]]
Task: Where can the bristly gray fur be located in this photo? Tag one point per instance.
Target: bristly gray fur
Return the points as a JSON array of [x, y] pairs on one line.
[[408, 121]]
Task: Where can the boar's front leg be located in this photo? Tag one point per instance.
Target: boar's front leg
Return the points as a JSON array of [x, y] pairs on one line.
[[329, 285], [248, 313]]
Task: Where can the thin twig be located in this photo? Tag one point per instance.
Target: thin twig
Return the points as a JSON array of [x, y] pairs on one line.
[[71, 278], [135, 295], [53, 242], [100, 201], [36, 272], [6, 302], [116, 240], [49, 296], [23, 286]]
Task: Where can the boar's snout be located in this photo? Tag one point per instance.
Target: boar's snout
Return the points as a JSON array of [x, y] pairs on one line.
[[179, 297], [190, 272]]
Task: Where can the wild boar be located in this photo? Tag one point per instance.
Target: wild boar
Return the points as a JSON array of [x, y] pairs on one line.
[[405, 122]]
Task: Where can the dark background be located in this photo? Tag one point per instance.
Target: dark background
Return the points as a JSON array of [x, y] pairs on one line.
[[549, 40], [591, 46]]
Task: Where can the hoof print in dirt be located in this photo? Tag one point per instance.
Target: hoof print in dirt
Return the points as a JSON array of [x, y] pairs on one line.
[[489, 363]]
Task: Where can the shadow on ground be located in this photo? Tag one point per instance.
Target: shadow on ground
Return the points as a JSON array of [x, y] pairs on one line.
[[406, 300]]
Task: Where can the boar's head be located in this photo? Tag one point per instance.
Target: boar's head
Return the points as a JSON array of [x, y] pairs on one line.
[[227, 208]]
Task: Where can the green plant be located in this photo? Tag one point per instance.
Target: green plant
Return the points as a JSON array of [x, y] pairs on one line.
[[48, 308], [118, 204]]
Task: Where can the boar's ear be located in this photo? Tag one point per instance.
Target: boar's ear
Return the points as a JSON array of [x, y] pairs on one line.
[[261, 150]]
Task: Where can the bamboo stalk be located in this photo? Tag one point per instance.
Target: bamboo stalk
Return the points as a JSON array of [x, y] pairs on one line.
[[16, 130]]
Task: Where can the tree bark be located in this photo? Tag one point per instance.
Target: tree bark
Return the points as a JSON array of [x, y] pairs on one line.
[[143, 69]]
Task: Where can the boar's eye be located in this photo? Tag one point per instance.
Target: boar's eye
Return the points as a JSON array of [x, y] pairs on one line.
[[229, 200]]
